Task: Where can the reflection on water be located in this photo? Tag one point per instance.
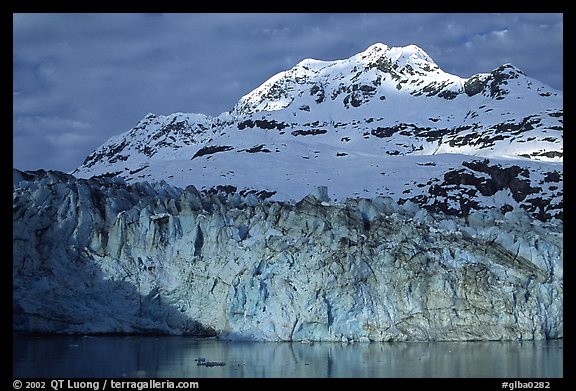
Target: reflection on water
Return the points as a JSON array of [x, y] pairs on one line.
[[173, 357]]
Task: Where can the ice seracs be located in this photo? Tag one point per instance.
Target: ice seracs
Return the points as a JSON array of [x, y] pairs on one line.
[[101, 256]]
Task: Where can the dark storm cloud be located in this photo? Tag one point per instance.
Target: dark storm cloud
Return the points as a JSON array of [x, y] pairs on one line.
[[82, 78]]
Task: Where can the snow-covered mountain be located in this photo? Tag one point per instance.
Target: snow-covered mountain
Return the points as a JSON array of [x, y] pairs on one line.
[[387, 121]]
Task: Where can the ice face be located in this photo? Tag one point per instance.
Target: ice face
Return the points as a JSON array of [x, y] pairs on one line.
[[99, 255]]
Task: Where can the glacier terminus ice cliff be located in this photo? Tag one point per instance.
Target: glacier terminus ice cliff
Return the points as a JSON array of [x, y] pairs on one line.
[[101, 256], [375, 198]]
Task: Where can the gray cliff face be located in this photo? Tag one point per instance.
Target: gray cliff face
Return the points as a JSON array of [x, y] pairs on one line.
[[101, 256]]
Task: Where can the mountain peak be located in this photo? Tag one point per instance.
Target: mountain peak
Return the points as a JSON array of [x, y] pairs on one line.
[[322, 79], [377, 49], [509, 69], [400, 56]]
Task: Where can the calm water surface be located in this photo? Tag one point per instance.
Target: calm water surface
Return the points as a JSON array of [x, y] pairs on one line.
[[173, 357]]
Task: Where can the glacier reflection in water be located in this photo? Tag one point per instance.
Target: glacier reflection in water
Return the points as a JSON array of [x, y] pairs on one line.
[[173, 357]]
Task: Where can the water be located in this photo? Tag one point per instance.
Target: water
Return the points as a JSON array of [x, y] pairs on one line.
[[173, 357]]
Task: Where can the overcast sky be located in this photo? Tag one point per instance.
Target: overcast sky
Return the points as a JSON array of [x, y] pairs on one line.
[[79, 79]]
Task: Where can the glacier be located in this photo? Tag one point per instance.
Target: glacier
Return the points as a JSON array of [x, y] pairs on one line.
[[101, 255]]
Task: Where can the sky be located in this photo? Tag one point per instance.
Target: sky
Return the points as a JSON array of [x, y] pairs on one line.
[[79, 79]]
